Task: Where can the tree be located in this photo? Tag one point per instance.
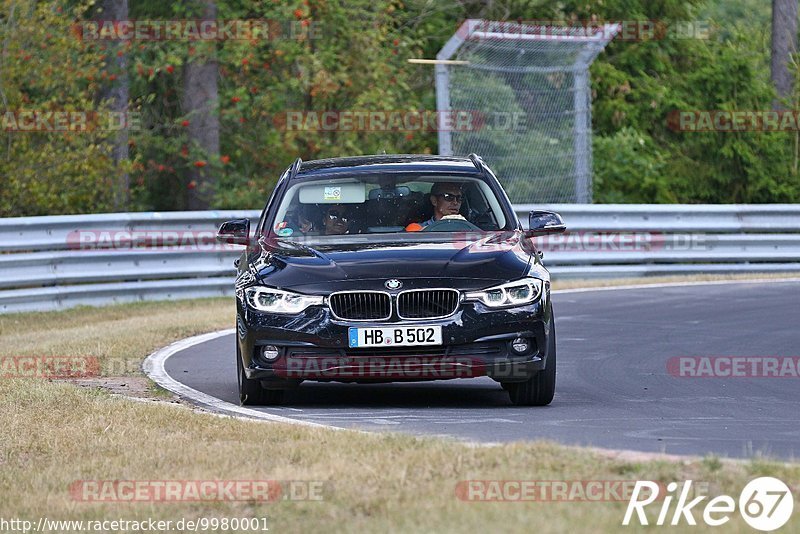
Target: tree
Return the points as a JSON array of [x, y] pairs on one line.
[[115, 93], [201, 105], [784, 44]]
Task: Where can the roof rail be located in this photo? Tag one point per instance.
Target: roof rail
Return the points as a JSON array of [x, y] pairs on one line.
[[478, 162], [295, 168]]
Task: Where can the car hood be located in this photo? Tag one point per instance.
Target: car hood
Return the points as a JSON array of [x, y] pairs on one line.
[[338, 265]]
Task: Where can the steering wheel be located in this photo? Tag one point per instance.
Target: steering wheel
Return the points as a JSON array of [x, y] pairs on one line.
[[450, 225]]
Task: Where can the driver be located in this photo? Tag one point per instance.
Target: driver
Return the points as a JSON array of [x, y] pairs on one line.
[[446, 198]]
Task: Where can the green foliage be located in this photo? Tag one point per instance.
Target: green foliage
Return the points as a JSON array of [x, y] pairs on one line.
[[640, 159], [629, 168], [45, 68], [755, 14]]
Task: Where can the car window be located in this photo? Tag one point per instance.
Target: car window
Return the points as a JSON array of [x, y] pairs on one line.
[[387, 204]]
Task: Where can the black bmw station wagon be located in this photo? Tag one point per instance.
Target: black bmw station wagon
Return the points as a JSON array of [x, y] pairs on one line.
[[392, 268]]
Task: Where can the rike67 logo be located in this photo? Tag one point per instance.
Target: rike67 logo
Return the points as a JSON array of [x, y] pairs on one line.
[[766, 504]]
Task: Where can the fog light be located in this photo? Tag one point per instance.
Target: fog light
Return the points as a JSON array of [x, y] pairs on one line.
[[270, 353], [520, 345]]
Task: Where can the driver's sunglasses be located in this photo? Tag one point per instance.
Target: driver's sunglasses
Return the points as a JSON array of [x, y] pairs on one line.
[[333, 215], [450, 197]]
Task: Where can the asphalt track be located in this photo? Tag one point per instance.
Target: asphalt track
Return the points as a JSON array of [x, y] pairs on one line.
[[614, 389]]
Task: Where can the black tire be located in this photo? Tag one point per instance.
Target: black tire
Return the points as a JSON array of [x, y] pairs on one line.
[[540, 388], [251, 393]]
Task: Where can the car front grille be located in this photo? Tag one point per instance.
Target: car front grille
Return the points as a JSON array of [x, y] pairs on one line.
[[377, 305], [361, 305], [427, 303]]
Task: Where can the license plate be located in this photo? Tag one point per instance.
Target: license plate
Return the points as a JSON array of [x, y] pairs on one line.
[[395, 336]]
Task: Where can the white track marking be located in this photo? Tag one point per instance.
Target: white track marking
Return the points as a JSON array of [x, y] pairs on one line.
[[153, 367]]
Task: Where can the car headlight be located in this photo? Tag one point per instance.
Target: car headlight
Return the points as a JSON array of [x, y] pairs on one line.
[[517, 293], [271, 300]]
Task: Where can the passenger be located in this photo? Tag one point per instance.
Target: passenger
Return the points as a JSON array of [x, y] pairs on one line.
[[299, 220], [304, 222], [336, 219]]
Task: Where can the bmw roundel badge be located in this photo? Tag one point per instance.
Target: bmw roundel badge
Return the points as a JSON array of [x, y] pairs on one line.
[[394, 283]]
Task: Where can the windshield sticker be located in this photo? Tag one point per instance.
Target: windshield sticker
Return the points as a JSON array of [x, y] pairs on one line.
[[332, 193], [285, 232]]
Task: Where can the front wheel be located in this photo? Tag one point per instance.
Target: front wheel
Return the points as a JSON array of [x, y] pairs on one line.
[[540, 388], [251, 393]]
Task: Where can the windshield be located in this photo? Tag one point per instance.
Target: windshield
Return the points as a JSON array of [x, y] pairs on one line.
[[387, 204]]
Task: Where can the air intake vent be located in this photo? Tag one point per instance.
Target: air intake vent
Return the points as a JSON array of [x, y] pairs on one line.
[[361, 305], [427, 303]]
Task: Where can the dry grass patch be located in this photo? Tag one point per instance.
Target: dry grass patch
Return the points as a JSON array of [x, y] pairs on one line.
[[373, 482], [119, 336]]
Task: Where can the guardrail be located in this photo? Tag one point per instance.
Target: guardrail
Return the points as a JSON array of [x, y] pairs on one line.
[[45, 264]]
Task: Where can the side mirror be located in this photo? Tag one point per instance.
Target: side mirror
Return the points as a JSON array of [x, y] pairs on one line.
[[544, 222], [235, 232]]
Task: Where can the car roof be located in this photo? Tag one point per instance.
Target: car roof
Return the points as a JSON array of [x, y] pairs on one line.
[[389, 163]]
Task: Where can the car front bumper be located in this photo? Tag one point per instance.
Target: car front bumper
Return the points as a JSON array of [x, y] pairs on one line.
[[476, 341]]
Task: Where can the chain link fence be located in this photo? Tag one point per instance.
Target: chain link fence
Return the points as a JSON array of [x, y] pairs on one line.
[[529, 88]]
